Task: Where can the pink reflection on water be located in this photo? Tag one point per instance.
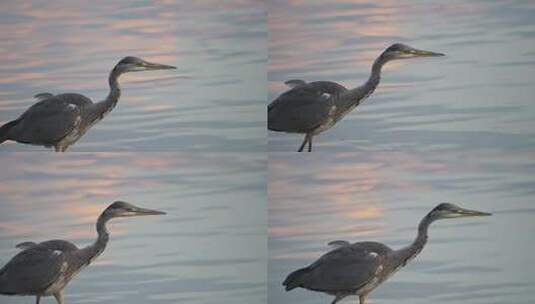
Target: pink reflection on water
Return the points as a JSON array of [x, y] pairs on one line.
[[345, 189], [74, 189], [52, 191], [83, 38], [320, 38]]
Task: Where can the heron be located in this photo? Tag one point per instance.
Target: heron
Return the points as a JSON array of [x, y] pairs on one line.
[[314, 107], [358, 268], [44, 269], [60, 120]]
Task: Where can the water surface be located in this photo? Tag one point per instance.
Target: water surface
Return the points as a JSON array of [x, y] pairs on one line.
[[480, 95], [209, 248], [382, 197], [213, 102]]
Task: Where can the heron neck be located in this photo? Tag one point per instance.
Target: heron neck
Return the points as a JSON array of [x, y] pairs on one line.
[[355, 96], [408, 253], [115, 89], [100, 109], [103, 237], [375, 76]]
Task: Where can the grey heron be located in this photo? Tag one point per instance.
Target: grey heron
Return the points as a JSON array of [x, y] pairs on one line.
[[358, 268], [44, 269], [60, 120], [311, 108]]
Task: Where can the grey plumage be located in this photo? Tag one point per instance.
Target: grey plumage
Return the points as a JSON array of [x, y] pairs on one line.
[[25, 245], [43, 96], [45, 269], [311, 108], [358, 268], [60, 120]]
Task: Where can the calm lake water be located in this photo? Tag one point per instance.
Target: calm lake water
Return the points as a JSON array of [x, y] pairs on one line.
[[209, 248], [479, 96], [320, 197], [215, 101]]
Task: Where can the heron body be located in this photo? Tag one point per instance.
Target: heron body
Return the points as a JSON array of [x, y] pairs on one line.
[[44, 269], [358, 268], [312, 108], [60, 120]]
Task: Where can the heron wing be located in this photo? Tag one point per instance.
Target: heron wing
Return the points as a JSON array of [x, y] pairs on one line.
[[338, 243], [303, 108], [32, 271], [62, 245], [292, 83], [329, 87], [43, 96], [49, 120], [25, 245], [346, 268]]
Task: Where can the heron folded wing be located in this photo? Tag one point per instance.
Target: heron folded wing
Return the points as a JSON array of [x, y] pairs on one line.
[[25, 245], [347, 268], [328, 87], [338, 243], [303, 108], [31, 271], [300, 109], [46, 122], [43, 96], [292, 83], [62, 245]]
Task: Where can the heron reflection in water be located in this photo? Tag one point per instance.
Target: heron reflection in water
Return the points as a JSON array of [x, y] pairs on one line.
[[358, 268], [311, 108], [45, 269], [60, 120]]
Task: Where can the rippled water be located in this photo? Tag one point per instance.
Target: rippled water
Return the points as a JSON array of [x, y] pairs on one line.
[[215, 101], [480, 95], [209, 248], [382, 197]]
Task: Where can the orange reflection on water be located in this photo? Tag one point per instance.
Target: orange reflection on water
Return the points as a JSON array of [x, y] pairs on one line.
[[67, 190], [381, 20], [346, 189], [84, 38], [365, 213], [352, 187]]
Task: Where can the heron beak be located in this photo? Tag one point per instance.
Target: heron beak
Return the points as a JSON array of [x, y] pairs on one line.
[[422, 53], [142, 211], [157, 66], [467, 212]]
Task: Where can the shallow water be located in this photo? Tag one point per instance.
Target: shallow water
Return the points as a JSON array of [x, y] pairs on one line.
[[213, 102], [209, 248], [382, 196], [480, 95]]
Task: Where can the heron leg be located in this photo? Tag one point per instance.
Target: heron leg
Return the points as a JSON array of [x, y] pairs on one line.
[[362, 299], [310, 144], [38, 299], [307, 138], [337, 298], [59, 297]]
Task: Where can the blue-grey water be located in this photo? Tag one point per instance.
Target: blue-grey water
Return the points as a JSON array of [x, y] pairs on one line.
[[215, 101], [320, 197], [209, 248], [479, 96]]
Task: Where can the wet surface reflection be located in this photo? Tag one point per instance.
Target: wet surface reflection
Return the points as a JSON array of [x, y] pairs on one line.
[[382, 197], [478, 95], [209, 248], [213, 102]]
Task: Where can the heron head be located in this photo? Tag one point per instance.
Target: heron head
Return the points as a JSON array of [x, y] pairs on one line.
[[135, 64], [403, 51], [124, 209], [447, 210]]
